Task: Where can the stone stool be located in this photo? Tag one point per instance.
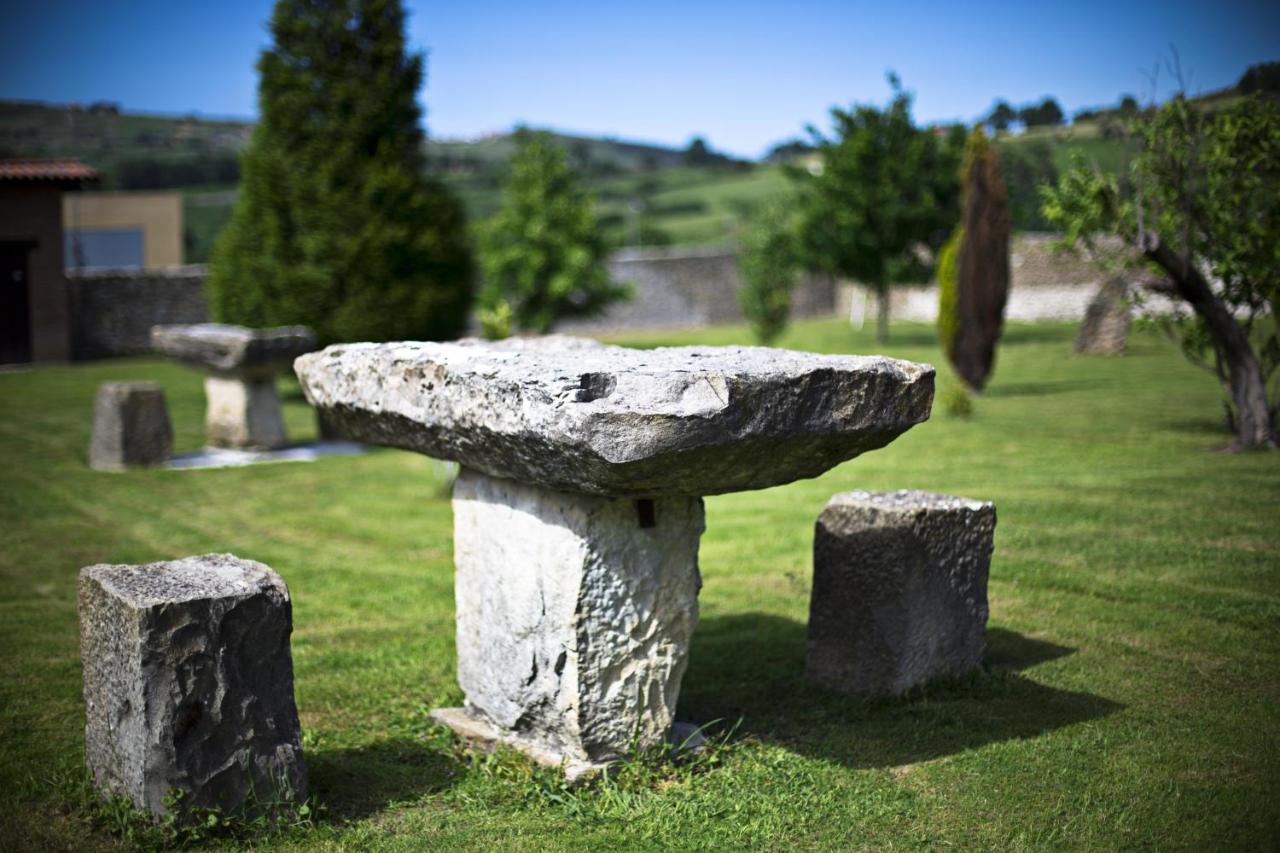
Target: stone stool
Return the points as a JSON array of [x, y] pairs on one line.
[[899, 590], [578, 509], [130, 426], [188, 683], [243, 410]]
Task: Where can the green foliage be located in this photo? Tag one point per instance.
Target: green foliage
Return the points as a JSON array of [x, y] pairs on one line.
[[885, 188], [1203, 184], [948, 303], [957, 402], [1047, 113], [335, 226], [1027, 165], [769, 263], [541, 253]]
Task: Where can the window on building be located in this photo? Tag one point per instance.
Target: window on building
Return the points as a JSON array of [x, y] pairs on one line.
[[90, 248]]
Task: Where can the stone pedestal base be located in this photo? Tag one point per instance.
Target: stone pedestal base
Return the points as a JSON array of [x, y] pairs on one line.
[[479, 732], [243, 411], [574, 617]]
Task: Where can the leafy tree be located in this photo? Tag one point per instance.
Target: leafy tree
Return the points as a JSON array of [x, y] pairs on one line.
[[1263, 77], [1026, 164], [1047, 113], [948, 302], [542, 254], [336, 225], [1002, 116], [769, 263], [981, 264], [1201, 205], [886, 189]]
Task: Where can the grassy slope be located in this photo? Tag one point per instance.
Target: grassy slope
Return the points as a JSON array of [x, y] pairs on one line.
[[1132, 696]]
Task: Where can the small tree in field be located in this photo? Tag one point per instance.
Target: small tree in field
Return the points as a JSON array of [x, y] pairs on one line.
[[336, 225], [886, 188], [1202, 205], [542, 254], [981, 265], [769, 263]]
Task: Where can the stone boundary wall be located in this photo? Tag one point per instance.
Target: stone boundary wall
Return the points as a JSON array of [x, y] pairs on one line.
[[112, 311], [682, 287]]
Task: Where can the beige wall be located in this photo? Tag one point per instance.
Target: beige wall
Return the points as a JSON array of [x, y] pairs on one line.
[[159, 215]]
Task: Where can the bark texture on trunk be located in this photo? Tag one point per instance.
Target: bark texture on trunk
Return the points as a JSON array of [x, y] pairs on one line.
[[1254, 426]]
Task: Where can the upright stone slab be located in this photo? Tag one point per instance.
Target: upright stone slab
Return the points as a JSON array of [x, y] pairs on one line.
[[574, 614], [1105, 330], [899, 590], [188, 683], [578, 512], [243, 409], [130, 426]]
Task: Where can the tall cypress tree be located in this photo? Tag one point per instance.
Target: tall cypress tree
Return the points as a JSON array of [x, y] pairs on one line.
[[337, 226]]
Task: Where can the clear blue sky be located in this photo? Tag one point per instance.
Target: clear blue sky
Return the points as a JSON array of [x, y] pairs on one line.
[[743, 74]]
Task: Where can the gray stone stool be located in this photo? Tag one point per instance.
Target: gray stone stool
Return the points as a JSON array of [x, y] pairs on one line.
[[188, 683], [241, 367], [899, 590], [130, 426]]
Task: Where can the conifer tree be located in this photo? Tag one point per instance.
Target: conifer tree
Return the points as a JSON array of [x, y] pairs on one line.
[[541, 253], [337, 226], [981, 265]]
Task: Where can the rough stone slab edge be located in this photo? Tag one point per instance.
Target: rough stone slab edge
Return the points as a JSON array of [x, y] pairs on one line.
[[485, 736]]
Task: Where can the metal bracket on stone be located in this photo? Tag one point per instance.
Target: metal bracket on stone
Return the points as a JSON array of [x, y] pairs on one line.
[[578, 510], [241, 364]]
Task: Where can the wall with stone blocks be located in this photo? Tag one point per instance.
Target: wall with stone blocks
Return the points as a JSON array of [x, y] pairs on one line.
[[676, 287], [112, 311]]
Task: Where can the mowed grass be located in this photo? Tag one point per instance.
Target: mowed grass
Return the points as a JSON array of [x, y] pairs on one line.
[[1131, 697]]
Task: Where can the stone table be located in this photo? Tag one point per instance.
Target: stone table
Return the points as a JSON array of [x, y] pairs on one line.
[[241, 366], [578, 509]]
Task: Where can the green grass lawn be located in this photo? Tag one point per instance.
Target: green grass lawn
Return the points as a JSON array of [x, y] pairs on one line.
[[1131, 696]]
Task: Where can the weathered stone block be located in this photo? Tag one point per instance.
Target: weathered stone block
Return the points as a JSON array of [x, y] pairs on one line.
[[573, 415], [1105, 330], [242, 413], [130, 426], [899, 590], [188, 682], [574, 614]]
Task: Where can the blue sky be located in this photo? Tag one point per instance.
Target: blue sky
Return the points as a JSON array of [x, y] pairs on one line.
[[743, 74]]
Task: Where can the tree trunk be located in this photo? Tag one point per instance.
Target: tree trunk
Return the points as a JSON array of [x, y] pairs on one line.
[[1254, 427], [882, 313]]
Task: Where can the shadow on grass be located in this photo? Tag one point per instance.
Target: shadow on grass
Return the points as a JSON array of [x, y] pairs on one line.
[[1042, 389], [751, 667], [358, 782]]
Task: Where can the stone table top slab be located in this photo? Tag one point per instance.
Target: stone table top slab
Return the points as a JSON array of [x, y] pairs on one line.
[[221, 347], [574, 415]]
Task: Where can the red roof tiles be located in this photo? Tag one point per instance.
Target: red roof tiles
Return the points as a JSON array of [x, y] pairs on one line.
[[46, 170]]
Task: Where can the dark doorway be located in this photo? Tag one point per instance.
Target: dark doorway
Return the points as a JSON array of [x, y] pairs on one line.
[[15, 310]]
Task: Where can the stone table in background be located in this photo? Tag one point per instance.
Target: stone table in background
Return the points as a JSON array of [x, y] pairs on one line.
[[188, 683], [241, 367], [578, 511], [130, 427], [899, 590]]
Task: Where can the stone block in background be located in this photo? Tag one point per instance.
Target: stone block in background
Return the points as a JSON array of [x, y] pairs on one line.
[[899, 590], [1105, 329], [130, 426], [188, 683]]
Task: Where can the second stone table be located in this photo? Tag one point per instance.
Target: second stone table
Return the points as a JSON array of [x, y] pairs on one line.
[[241, 365], [578, 511]]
